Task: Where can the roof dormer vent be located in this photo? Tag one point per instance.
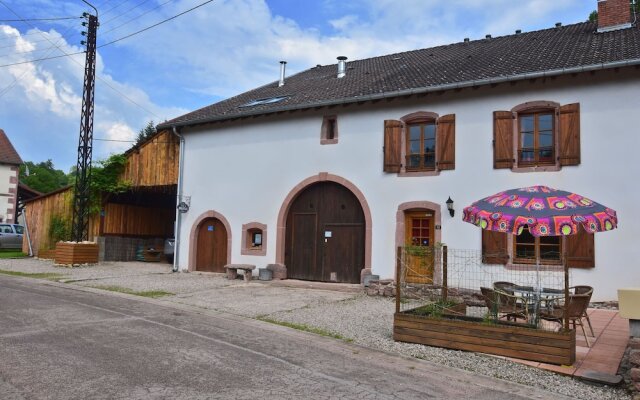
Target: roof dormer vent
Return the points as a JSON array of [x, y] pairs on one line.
[[487, 37], [342, 66]]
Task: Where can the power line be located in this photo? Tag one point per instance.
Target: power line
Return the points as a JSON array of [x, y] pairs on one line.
[[137, 17], [103, 13], [75, 61], [15, 79], [38, 19], [125, 12], [42, 59], [111, 42], [154, 25]]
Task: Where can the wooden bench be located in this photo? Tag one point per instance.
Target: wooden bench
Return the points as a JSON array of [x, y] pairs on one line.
[[232, 271]]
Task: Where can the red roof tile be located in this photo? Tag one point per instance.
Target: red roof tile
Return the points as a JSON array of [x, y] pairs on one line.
[[8, 154]]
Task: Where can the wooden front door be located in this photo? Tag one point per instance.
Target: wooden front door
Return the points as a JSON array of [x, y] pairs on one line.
[[419, 246], [211, 253], [325, 235]]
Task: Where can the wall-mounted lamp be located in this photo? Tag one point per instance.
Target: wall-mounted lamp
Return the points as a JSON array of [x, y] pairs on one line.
[[450, 207]]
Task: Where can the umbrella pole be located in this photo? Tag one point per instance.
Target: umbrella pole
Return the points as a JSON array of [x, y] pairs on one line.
[[538, 292], [566, 296]]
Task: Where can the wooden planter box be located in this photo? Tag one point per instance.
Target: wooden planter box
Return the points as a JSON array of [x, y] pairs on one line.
[[71, 253], [503, 340]]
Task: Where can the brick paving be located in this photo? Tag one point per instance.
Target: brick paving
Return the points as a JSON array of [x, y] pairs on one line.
[[607, 348]]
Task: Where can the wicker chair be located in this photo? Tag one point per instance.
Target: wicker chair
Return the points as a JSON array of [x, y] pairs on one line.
[[505, 305], [577, 306], [504, 286], [587, 290]]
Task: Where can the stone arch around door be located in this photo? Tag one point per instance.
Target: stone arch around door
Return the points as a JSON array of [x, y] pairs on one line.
[[323, 177], [413, 206], [193, 236]]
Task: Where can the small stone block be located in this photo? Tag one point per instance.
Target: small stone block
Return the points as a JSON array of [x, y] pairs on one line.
[[634, 343], [634, 357], [278, 271], [599, 377], [232, 273], [635, 374], [248, 276]]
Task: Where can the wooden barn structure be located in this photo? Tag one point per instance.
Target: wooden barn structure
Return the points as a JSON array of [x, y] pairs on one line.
[[127, 223]]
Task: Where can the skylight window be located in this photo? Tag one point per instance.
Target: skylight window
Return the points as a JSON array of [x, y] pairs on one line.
[[269, 100]]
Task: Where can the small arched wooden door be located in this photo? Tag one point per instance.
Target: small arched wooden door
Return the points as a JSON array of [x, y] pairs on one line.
[[211, 253], [325, 235]]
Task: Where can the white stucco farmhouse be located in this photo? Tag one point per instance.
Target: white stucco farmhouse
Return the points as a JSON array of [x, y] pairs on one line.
[[327, 171]]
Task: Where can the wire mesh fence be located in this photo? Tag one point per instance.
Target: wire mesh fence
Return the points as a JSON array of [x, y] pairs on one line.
[[462, 284]]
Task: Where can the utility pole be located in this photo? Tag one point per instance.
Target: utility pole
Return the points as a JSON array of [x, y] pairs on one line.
[[80, 225]]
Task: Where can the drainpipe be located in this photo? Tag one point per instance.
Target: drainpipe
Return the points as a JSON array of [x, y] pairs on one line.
[[26, 231], [176, 234]]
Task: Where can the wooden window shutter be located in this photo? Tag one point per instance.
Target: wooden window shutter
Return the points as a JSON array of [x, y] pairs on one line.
[[580, 250], [392, 145], [503, 139], [569, 135], [446, 142], [494, 247]]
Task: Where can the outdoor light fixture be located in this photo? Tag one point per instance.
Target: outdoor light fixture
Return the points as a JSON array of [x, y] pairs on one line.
[[450, 207]]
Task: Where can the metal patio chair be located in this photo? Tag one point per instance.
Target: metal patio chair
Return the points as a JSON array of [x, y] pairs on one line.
[[576, 307], [505, 305], [586, 290]]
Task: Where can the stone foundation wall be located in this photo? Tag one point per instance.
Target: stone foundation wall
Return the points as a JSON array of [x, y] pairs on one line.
[[117, 248], [630, 367], [387, 287]]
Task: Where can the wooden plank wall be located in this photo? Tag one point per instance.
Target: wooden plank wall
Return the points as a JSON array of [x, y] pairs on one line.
[[128, 220], [154, 163], [39, 213]]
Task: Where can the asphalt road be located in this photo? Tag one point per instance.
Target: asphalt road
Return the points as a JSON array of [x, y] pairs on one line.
[[65, 342]]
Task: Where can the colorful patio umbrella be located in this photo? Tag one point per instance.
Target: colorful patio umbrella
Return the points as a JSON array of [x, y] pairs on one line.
[[544, 211]]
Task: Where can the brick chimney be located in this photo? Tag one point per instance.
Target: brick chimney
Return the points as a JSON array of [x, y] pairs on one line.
[[613, 15]]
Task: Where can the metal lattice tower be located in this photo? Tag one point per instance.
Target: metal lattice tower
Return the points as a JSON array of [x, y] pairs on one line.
[[80, 225]]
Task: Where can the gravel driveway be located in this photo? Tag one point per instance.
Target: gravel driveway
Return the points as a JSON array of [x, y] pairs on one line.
[[368, 321]]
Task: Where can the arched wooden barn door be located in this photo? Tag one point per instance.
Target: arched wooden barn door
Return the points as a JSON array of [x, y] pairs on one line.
[[211, 253], [325, 235]]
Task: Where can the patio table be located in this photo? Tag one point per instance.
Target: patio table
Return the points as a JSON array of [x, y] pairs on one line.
[[534, 298]]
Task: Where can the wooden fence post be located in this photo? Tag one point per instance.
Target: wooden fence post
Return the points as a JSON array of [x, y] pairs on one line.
[[445, 278], [398, 268]]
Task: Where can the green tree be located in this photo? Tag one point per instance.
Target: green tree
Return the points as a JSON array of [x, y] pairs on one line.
[[146, 132], [43, 176], [105, 180]]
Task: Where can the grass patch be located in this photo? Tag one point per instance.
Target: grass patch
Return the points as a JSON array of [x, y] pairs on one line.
[[144, 293], [52, 276], [305, 328], [11, 253]]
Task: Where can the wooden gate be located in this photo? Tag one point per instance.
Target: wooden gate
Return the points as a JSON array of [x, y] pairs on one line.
[[211, 253], [325, 235]]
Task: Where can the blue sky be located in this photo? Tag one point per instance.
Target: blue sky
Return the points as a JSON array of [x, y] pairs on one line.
[[221, 49]]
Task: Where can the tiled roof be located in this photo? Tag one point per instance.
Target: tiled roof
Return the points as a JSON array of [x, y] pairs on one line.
[[8, 154], [548, 52]]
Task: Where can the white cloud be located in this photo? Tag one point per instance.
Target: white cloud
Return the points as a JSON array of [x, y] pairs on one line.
[[40, 103]]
